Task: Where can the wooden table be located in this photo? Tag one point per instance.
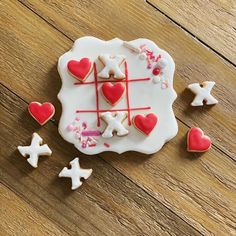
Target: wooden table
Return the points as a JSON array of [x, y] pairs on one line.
[[170, 193]]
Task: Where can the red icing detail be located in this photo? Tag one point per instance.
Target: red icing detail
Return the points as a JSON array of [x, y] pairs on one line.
[[97, 98], [107, 145], [80, 69], [114, 110], [156, 71], [145, 123], [92, 145], [197, 141], [127, 92], [113, 92], [41, 112]]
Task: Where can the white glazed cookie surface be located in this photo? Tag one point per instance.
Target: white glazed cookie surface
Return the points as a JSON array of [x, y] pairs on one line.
[[79, 123]]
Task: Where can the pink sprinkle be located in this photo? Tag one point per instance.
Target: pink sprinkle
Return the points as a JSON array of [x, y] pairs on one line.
[[149, 66], [84, 145], [152, 58], [142, 46], [70, 128], [91, 133], [77, 129], [77, 119], [107, 145], [164, 85], [84, 125], [158, 57], [77, 135]]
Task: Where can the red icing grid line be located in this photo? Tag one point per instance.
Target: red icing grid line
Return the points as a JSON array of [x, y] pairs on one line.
[[114, 110], [128, 109], [127, 93], [97, 98], [110, 80]]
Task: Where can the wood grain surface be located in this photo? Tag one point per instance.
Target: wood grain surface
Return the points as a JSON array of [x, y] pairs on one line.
[[211, 21], [107, 203], [170, 193], [20, 218], [195, 63]]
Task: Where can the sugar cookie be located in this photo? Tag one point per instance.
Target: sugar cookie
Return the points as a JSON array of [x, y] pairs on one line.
[[80, 69], [113, 92], [197, 141], [98, 117], [75, 173], [35, 150], [114, 124], [42, 113], [111, 66], [202, 93], [145, 123]]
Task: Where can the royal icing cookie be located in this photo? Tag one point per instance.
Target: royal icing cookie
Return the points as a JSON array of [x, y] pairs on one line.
[[112, 66], [126, 101], [197, 141], [114, 124], [202, 93], [41, 112], [80, 69], [113, 92], [145, 123], [75, 173], [35, 150]]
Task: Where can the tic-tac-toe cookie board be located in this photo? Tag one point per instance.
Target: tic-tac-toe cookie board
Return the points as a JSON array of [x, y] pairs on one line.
[[117, 96]]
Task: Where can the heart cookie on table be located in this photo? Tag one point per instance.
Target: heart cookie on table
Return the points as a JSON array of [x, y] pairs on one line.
[[42, 113], [122, 99], [197, 141]]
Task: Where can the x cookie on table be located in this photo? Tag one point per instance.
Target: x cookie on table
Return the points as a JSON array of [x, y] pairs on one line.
[[75, 173], [112, 66], [35, 150], [202, 93]]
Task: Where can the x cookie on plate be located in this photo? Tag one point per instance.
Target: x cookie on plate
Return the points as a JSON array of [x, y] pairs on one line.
[[111, 66], [114, 123], [124, 103]]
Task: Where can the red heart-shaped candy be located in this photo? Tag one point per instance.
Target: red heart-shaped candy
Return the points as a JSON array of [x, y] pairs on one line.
[[146, 123], [113, 92], [197, 141], [41, 112], [80, 69]]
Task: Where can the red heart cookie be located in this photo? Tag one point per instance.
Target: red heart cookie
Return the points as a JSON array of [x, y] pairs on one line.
[[145, 124], [80, 69], [197, 141], [113, 92], [41, 112]]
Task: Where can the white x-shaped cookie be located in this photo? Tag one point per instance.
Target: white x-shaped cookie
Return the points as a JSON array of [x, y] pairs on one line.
[[114, 124], [203, 93], [35, 150], [112, 66], [75, 173]]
